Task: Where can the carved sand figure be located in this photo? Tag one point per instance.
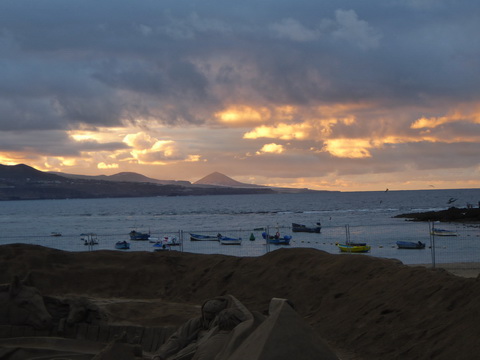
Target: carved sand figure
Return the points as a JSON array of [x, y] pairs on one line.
[[23, 305], [183, 343], [66, 312]]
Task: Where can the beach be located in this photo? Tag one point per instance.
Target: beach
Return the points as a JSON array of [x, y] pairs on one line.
[[363, 307]]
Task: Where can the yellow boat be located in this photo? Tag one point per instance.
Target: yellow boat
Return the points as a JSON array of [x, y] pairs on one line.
[[353, 248]]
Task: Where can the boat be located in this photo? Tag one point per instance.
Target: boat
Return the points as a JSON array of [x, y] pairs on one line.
[[168, 240], [89, 239], [161, 247], [351, 246], [277, 239], [198, 237], [309, 229], [53, 233], [442, 232], [225, 240], [410, 245], [137, 235], [122, 245]]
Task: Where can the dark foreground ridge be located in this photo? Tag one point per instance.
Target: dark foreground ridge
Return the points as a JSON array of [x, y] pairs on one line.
[[369, 307], [453, 214]]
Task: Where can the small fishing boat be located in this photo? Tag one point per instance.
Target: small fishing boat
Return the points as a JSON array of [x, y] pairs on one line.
[[410, 245], [137, 235], [89, 239], [277, 239], [442, 232], [53, 233], [225, 240], [351, 248], [122, 245], [168, 240], [304, 228], [161, 247], [198, 237]]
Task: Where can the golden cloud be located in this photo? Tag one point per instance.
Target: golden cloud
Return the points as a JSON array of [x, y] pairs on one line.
[[348, 148], [239, 115], [103, 165], [281, 131], [271, 149]]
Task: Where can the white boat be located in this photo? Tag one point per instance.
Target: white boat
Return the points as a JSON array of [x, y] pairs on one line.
[[225, 240], [442, 232], [167, 240], [89, 239]]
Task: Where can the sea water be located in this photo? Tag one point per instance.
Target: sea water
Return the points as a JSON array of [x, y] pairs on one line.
[[365, 216]]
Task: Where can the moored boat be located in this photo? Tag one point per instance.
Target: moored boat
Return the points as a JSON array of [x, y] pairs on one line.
[[410, 245], [122, 245], [443, 232], [309, 229], [350, 246], [198, 237], [225, 240], [353, 248], [137, 235], [168, 240], [161, 247], [277, 239]]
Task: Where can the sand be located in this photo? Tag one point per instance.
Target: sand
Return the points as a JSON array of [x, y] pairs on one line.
[[363, 307]]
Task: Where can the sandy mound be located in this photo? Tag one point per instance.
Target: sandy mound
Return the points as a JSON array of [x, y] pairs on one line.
[[374, 308]]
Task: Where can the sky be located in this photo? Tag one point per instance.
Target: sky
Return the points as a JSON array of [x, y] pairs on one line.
[[341, 95]]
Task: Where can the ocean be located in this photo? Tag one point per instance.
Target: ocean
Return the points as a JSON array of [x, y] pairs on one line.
[[369, 217]]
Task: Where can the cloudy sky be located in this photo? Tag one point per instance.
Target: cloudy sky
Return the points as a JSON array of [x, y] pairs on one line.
[[338, 95]]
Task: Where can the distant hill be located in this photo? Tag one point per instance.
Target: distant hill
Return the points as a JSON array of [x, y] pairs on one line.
[[22, 182], [23, 174], [125, 176], [219, 179]]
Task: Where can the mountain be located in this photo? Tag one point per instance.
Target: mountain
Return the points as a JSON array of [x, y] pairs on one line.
[[219, 179], [24, 174], [22, 182], [124, 176]]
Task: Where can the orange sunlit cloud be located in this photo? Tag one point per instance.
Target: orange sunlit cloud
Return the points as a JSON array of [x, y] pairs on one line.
[[348, 148], [271, 149], [433, 122], [239, 115], [281, 131]]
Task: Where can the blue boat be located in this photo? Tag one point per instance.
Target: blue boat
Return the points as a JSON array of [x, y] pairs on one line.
[[198, 237], [137, 235], [277, 239], [410, 245]]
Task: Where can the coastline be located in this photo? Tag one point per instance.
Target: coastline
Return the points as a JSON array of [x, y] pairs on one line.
[[461, 269]]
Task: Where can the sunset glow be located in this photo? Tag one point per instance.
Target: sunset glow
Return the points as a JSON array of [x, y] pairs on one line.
[[348, 97]]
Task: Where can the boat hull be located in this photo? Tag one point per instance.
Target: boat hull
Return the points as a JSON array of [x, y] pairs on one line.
[[136, 235], [122, 245], [410, 245], [353, 248], [441, 232], [230, 241], [198, 237]]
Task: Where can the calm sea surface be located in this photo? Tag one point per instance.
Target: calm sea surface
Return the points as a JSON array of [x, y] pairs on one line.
[[369, 216]]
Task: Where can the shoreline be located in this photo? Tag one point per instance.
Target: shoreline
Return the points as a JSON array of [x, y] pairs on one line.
[[461, 269]]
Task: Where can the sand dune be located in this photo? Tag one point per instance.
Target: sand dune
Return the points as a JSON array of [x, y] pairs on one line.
[[368, 308]]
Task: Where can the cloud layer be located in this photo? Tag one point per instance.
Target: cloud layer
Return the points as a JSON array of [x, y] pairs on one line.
[[343, 95]]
